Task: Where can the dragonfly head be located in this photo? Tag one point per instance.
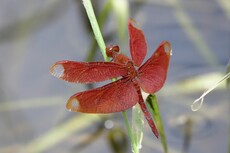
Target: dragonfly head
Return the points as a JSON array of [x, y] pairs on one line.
[[112, 50]]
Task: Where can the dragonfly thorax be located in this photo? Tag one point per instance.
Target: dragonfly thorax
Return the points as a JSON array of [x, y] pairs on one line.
[[132, 72]]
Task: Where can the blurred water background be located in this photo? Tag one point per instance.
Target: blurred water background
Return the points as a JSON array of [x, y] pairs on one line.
[[35, 34]]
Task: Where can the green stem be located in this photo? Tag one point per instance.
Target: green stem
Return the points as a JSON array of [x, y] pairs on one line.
[[134, 148], [101, 43], [95, 27]]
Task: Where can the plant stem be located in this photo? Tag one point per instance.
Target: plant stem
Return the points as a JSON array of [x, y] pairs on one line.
[[196, 105], [133, 143], [98, 36], [95, 27]]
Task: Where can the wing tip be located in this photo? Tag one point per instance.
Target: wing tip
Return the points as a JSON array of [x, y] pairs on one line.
[[167, 47], [132, 21], [57, 70], [73, 105], [138, 44]]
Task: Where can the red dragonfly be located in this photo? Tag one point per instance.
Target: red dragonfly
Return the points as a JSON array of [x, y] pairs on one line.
[[126, 91]]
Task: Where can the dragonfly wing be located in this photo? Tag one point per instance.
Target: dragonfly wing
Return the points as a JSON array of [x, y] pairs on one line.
[[137, 42], [87, 72], [152, 74], [114, 97]]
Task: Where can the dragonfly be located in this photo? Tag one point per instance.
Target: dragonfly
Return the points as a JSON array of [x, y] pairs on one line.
[[125, 92]]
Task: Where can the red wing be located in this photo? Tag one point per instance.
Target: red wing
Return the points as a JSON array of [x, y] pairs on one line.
[[137, 43], [83, 72], [114, 97], [152, 74]]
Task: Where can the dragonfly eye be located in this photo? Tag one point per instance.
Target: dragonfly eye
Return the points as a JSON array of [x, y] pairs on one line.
[[112, 50], [115, 48]]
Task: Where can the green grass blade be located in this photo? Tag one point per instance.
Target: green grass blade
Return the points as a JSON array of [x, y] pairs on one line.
[[32, 103], [228, 71], [193, 33], [130, 132], [196, 105], [154, 109], [104, 13], [101, 21], [59, 133], [137, 126], [228, 86], [121, 11], [94, 24]]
